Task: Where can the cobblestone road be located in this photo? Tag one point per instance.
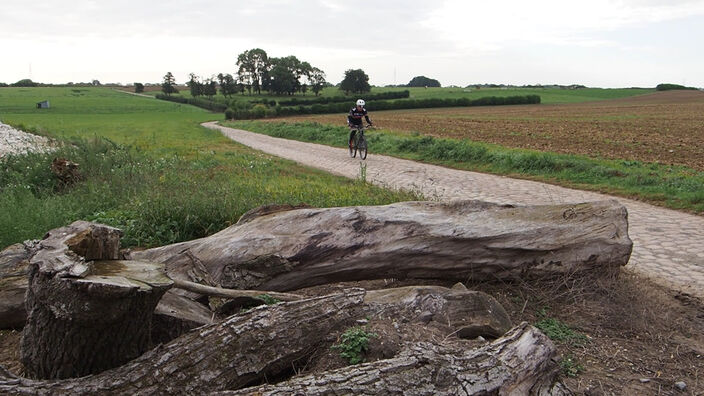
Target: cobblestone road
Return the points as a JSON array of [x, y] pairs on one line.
[[668, 245]]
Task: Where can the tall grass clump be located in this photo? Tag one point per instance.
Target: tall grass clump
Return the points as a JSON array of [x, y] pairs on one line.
[[673, 186]]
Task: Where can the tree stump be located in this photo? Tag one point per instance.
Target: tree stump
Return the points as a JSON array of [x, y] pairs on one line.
[[87, 316], [14, 268]]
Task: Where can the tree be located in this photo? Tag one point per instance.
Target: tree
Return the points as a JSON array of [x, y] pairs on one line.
[[317, 80], [209, 88], [228, 85], [423, 81], [282, 80], [253, 66], [355, 81], [95, 82], [169, 85], [285, 75], [25, 83], [138, 87], [195, 85], [304, 69]]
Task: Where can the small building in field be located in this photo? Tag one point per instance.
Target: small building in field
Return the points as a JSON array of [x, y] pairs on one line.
[[44, 104]]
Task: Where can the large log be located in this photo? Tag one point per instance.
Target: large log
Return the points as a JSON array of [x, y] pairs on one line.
[[87, 312], [261, 343], [520, 363], [459, 240]]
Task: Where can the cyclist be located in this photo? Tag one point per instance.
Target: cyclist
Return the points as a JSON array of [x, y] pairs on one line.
[[354, 118]]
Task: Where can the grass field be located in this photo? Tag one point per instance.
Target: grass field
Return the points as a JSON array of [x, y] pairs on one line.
[[149, 169]]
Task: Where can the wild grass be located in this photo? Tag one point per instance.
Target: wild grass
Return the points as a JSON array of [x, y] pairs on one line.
[[152, 171], [671, 186]]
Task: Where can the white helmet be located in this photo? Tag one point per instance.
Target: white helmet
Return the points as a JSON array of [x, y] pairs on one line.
[[360, 102]]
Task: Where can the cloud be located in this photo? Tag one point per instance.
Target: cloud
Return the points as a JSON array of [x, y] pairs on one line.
[[490, 26]]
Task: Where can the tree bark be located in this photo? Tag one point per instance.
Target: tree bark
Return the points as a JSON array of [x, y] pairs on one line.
[[87, 316], [520, 363], [463, 313], [14, 269], [459, 241], [261, 343]]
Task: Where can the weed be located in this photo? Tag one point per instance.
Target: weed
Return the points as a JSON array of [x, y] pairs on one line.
[[557, 330], [268, 300], [353, 343], [570, 366], [363, 171]]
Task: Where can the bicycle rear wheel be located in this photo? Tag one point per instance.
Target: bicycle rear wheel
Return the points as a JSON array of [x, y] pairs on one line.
[[362, 147], [352, 144]]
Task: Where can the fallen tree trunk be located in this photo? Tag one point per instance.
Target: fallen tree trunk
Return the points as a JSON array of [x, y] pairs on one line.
[[246, 348], [460, 240], [86, 311], [520, 363]]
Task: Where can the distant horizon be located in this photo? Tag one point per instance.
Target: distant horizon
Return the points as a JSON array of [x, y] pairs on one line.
[[153, 84]]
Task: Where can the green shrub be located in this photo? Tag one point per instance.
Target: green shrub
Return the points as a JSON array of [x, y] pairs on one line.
[[229, 114], [258, 111]]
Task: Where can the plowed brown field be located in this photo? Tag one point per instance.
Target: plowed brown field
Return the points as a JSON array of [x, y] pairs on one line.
[[665, 127]]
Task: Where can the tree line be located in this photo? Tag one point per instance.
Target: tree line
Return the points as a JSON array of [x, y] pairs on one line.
[[257, 72]]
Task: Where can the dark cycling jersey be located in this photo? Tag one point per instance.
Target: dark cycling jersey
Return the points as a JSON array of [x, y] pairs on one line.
[[355, 116]]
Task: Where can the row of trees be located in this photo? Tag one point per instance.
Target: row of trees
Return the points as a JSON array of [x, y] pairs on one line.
[[257, 72], [285, 75]]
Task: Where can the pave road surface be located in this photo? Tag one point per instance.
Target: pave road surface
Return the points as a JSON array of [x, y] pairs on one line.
[[668, 246]]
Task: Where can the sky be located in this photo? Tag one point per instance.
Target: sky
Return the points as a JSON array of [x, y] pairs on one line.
[[597, 43]]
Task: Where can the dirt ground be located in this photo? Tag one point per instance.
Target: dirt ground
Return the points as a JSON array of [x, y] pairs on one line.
[[637, 338], [665, 127]]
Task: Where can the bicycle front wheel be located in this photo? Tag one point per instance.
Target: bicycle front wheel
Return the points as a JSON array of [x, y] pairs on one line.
[[362, 147], [353, 146]]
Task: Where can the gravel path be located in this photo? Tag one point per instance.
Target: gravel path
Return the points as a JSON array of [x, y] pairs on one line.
[[668, 245], [13, 141]]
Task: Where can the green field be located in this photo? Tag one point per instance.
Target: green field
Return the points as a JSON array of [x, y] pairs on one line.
[[547, 95], [149, 168]]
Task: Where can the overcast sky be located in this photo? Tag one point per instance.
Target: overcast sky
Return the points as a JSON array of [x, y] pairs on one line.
[[597, 43]]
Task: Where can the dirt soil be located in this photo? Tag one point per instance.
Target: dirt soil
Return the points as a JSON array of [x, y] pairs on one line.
[[635, 337], [665, 127]]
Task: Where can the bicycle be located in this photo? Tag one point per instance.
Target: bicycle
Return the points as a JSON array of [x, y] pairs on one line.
[[358, 142]]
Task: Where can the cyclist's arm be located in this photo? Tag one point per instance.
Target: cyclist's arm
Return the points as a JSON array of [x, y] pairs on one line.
[[368, 120]]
